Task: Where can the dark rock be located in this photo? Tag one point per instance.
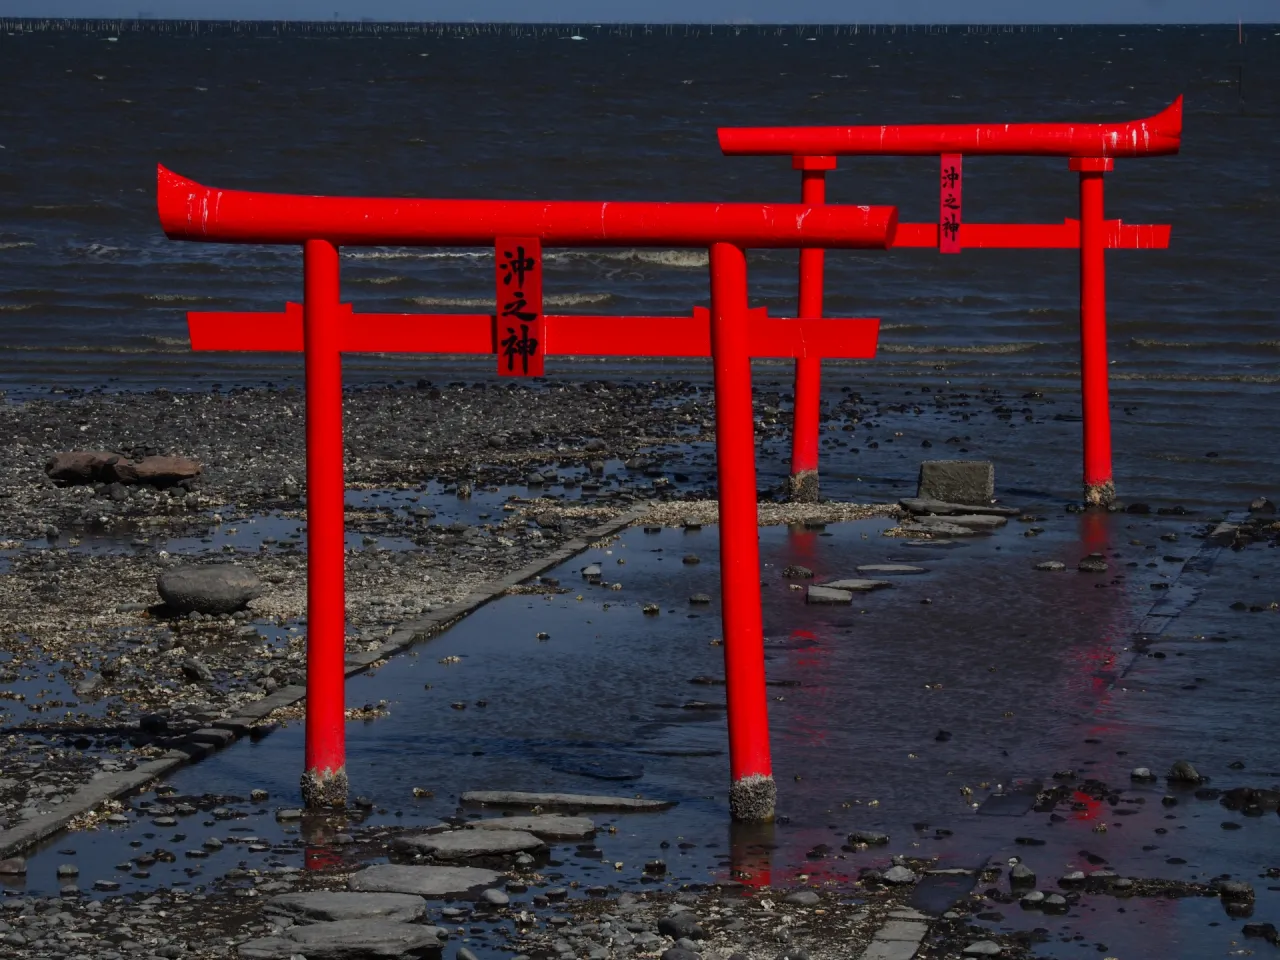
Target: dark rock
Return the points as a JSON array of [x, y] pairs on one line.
[[196, 670], [13, 867], [1051, 565], [682, 925], [957, 481], [804, 898], [1094, 563], [208, 588], [1022, 876], [1250, 800], [869, 837], [1235, 890], [680, 953], [1262, 505], [698, 599], [1264, 931], [796, 572], [1183, 772]]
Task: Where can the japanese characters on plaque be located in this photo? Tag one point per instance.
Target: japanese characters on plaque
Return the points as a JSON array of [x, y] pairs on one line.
[[521, 336], [949, 204]]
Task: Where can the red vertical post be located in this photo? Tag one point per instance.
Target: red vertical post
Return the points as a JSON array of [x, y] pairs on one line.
[[324, 781], [1099, 488], [752, 792], [805, 425]]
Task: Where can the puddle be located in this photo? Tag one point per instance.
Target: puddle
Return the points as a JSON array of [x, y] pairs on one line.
[[931, 711]]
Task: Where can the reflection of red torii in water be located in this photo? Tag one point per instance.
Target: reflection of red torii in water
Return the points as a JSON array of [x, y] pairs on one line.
[[1092, 149], [521, 335]]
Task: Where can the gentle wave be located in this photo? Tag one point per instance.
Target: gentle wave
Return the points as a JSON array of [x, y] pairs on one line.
[[179, 346], [14, 245], [15, 307], [177, 297], [486, 303], [987, 348], [379, 281], [418, 254], [1203, 345]]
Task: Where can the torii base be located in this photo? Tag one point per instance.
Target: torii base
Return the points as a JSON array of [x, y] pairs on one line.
[[324, 788], [753, 799], [802, 487], [1100, 494]]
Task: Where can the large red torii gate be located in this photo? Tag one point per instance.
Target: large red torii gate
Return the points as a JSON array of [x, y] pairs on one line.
[[1091, 148], [520, 335]]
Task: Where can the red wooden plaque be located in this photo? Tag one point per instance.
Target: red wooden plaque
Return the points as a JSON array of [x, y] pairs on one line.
[[521, 339], [949, 203]]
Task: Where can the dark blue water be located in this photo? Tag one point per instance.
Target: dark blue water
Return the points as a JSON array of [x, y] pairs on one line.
[[92, 294]]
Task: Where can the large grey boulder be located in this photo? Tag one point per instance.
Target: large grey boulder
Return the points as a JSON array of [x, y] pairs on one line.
[[547, 827], [332, 905], [348, 940], [424, 881], [465, 844], [957, 481], [208, 588]]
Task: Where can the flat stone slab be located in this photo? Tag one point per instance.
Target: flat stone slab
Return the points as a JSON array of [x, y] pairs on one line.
[[572, 801], [827, 595], [910, 931], [332, 905], [938, 529], [857, 585], [549, 827], [889, 570], [974, 521], [424, 881], [348, 940], [942, 507], [465, 844]]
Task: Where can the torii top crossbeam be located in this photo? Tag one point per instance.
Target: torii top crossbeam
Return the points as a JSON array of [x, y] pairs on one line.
[[192, 211], [1153, 136]]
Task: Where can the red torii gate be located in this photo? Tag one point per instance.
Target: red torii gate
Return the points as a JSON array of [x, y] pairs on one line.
[[1091, 149], [520, 335]]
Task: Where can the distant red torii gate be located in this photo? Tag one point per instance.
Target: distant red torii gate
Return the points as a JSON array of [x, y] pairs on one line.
[[1091, 149], [521, 336]]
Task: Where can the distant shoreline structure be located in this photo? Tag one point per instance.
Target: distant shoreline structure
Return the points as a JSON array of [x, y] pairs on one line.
[[145, 25]]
